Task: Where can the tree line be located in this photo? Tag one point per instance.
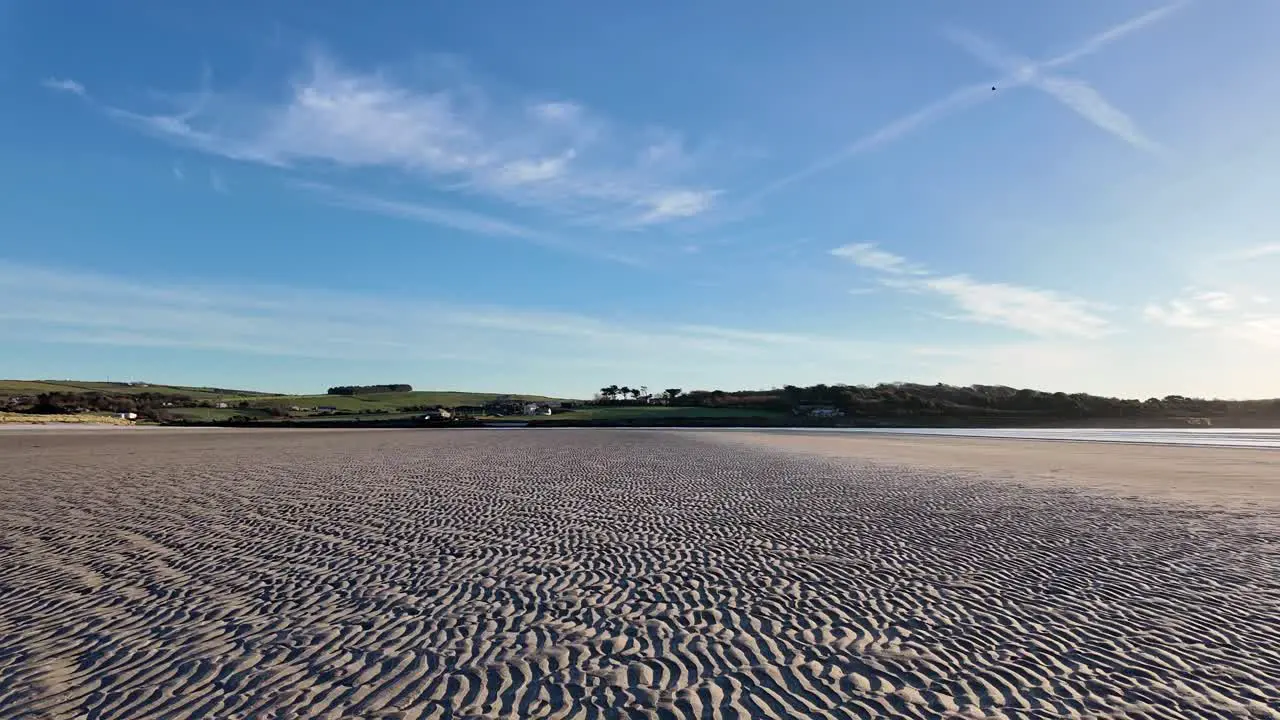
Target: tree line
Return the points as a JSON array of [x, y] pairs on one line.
[[976, 402], [146, 404], [366, 389], [616, 394]]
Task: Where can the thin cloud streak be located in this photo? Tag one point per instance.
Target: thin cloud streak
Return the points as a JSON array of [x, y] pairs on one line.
[[455, 136], [1080, 97], [457, 219], [1259, 251], [216, 182], [958, 99], [40, 304], [1231, 317], [1039, 312], [867, 255], [898, 128], [1106, 37], [65, 85]]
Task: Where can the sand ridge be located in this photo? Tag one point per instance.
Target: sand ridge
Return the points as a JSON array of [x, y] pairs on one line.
[[580, 574]]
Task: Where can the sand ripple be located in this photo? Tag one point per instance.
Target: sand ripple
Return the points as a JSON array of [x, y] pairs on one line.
[[594, 574]]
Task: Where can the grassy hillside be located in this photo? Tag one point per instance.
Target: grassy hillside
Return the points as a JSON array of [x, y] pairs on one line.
[[199, 404], [653, 412], [11, 388], [383, 401], [8, 418]]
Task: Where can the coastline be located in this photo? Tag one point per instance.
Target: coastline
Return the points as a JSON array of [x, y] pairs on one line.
[[1217, 477]]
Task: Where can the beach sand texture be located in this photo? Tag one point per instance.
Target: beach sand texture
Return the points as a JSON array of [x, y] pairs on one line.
[[603, 573]]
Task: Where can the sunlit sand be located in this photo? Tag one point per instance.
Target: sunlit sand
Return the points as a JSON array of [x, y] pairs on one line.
[[601, 574]]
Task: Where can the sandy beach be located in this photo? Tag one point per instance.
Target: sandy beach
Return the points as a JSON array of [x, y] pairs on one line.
[[648, 574]]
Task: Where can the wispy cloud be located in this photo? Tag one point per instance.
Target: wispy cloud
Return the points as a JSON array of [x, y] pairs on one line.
[[1257, 251], [869, 256], [178, 173], [1076, 95], [1040, 312], [1231, 315], [1036, 311], [65, 85], [457, 219], [453, 134], [44, 304], [464, 220], [216, 182]]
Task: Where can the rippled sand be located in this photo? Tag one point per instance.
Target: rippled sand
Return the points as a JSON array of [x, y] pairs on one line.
[[467, 574]]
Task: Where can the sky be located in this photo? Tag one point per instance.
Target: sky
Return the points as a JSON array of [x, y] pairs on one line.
[[553, 197]]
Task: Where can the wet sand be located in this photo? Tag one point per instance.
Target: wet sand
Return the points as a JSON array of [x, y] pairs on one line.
[[597, 573], [1224, 477]]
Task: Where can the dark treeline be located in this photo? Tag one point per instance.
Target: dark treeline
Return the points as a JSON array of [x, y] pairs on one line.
[[366, 389], [903, 401], [146, 404]]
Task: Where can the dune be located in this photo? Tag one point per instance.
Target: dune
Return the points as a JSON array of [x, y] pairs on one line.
[[647, 574]]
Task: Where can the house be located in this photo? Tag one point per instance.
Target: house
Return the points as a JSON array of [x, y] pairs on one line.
[[221, 405], [127, 415], [438, 414], [327, 408]]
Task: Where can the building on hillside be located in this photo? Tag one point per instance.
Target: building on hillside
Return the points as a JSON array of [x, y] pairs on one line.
[[327, 408], [437, 414], [221, 405]]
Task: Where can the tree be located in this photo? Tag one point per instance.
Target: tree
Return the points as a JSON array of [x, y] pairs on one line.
[[672, 393], [624, 391]]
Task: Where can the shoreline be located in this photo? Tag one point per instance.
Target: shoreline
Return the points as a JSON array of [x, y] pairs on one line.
[[1221, 477]]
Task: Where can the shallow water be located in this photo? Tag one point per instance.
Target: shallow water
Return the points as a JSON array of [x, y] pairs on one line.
[[1206, 437]]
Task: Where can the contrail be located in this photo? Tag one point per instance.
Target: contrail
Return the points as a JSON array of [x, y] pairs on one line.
[[1073, 95]]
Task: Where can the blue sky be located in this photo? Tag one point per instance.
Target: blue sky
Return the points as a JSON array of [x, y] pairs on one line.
[[558, 196]]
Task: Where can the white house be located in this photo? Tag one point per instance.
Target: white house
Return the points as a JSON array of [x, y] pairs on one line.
[[536, 409]]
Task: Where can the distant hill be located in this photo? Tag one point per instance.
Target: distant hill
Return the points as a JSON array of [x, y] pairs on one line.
[[179, 402], [11, 388]]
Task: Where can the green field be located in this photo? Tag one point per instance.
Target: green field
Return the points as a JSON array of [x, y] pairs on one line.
[[384, 401], [653, 412], [200, 414], [373, 405]]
